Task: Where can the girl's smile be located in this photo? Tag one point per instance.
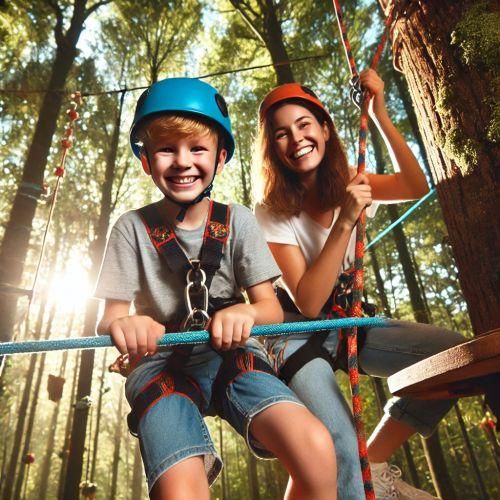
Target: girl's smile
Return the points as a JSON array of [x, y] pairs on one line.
[[299, 138]]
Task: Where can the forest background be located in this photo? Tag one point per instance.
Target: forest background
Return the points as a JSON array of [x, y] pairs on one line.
[[111, 50]]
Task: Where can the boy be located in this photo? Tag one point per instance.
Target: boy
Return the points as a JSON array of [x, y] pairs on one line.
[[179, 260]]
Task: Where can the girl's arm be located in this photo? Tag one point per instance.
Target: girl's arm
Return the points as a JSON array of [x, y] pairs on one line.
[[409, 183], [310, 287]]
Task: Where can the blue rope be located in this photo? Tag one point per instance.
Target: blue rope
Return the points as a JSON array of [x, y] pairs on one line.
[[390, 227], [197, 337]]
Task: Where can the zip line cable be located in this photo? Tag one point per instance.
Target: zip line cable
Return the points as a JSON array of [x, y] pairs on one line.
[[143, 87]]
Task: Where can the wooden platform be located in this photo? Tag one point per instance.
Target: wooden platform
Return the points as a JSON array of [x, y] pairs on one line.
[[463, 370]]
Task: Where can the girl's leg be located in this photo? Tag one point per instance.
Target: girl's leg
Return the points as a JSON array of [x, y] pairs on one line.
[[316, 386], [388, 350], [304, 447], [183, 481]]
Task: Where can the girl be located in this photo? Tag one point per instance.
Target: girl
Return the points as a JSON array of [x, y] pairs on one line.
[[308, 210]]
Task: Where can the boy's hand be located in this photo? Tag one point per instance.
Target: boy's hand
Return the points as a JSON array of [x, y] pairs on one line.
[[230, 327], [358, 196], [136, 335]]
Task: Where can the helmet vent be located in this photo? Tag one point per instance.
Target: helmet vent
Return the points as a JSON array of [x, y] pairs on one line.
[[221, 104], [307, 90]]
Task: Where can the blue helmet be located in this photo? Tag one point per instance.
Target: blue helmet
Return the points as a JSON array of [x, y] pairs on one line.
[[185, 96]]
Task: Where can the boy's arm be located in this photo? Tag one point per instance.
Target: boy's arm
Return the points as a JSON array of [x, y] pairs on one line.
[[132, 335], [231, 327]]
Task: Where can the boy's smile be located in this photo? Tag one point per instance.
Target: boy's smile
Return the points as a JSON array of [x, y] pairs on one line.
[[183, 167]]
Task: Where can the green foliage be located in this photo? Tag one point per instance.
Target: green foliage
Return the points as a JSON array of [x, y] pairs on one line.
[[478, 37]]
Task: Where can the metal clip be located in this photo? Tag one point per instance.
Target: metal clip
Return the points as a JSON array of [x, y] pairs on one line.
[[356, 92], [197, 317]]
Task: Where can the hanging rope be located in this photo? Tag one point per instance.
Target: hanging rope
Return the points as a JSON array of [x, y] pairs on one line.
[[66, 144], [195, 337], [362, 100]]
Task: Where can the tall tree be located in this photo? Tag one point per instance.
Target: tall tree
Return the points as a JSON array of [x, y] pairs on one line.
[[17, 234], [448, 52]]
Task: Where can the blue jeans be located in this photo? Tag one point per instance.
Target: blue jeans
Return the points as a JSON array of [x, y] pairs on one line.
[[386, 351], [173, 429]]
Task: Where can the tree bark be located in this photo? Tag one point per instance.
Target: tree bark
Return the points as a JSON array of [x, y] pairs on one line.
[[75, 460], [452, 93], [33, 408], [138, 476], [23, 407], [253, 478], [432, 446], [117, 443]]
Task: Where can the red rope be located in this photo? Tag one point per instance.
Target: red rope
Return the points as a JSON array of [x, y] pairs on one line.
[[356, 309]]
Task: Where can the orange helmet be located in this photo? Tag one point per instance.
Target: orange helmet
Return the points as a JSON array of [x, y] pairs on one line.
[[289, 91]]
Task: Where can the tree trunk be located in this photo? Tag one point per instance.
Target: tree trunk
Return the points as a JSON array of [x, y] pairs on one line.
[[75, 460], [98, 420], [117, 442], [432, 446], [49, 449], [453, 92], [33, 407], [67, 432], [138, 476], [14, 247], [23, 407], [274, 42], [253, 478], [471, 455]]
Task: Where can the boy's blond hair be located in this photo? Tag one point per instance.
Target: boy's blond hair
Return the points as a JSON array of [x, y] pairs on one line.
[[176, 127]]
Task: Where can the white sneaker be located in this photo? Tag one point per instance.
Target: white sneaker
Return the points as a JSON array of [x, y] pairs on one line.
[[387, 484]]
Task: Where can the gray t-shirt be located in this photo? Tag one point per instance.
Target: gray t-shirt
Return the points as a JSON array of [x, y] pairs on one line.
[[133, 270]]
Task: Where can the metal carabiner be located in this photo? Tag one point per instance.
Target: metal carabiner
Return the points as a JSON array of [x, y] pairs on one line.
[[356, 92], [197, 319], [187, 298]]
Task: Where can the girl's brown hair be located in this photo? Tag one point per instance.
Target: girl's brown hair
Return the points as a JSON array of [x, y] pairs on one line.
[[281, 189]]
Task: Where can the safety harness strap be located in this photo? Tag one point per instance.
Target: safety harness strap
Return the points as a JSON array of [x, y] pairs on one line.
[[165, 241], [234, 364], [166, 383], [312, 349]]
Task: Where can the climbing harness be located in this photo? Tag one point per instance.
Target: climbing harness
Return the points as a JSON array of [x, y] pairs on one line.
[[199, 275]]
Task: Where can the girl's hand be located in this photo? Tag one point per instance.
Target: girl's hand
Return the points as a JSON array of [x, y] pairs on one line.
[[230, 327], [371, 82], [136, 335], [358, 196]]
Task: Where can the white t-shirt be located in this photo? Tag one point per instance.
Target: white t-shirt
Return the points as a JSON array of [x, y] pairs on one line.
[[304, 232]]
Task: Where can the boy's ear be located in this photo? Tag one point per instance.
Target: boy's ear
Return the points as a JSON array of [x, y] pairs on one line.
[[221, 161], [145, 163]]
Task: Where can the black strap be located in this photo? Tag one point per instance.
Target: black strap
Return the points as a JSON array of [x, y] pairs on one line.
[[235, 363], [165, 384], [165, 241], [312, 349]]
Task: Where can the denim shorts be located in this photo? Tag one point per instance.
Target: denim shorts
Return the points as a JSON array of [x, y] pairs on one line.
[[173, 429]]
